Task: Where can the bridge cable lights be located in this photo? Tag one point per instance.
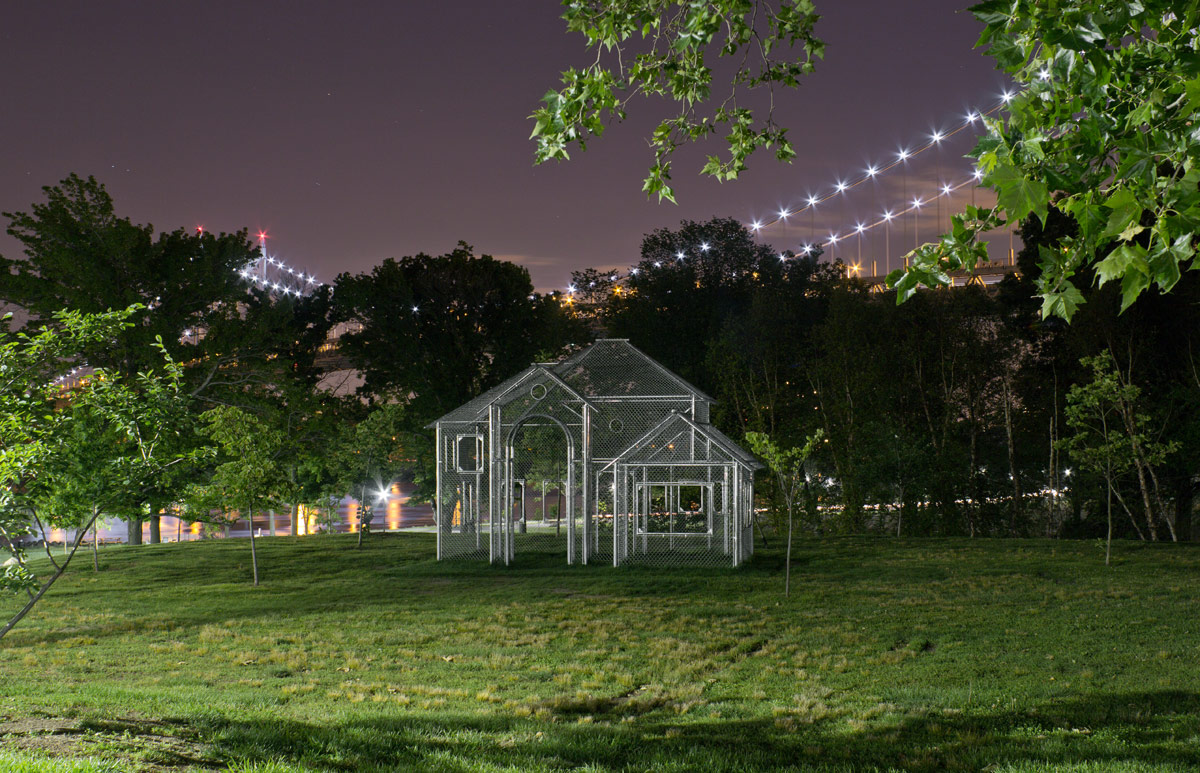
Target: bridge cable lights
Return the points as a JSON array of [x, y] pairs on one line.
[[886, 218], [934, 140]]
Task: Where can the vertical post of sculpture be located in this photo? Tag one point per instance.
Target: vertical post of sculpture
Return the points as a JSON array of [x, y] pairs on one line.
[[585, 466], [570, 504], [493, 480], [439, 460]]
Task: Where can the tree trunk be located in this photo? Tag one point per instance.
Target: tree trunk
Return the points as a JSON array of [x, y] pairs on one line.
[[253, 552], [974, 479], [1145, 491], [95, 539], [1012, 463], [1108, 544], [761, 533], [787, 562], [134, 532], [79, 537], [361, 500], [155, 529], [295, 515]]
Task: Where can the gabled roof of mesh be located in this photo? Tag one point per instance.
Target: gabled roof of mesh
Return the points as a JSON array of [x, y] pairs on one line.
[[613, 367], [610, 367], [652, 446], [470, 410]]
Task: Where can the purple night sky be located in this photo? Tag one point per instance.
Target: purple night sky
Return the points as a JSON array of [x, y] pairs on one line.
[[353, 132]]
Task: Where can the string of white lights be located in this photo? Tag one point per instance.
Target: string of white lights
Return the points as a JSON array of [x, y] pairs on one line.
[[875, 171], [888, 215], [255, 271]]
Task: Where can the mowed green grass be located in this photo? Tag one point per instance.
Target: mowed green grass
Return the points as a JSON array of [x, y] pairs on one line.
[[907, 655]]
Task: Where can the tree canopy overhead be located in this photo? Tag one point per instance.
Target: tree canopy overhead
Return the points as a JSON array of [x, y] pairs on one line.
[[1102, 131], [664, 49]]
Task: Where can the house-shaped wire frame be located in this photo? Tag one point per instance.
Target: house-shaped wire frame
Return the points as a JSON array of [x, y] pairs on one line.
[[621, 444]]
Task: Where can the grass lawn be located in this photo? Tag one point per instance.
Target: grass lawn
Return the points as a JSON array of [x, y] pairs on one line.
[[907, 655]]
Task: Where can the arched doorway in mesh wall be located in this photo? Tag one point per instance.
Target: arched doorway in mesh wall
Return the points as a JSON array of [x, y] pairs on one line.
[[641, 475]]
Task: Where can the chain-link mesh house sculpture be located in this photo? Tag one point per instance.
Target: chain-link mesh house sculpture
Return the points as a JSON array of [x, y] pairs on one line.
[[606, 455]]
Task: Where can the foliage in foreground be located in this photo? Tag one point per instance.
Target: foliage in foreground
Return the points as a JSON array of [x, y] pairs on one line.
[[915, 655], [1101, 132]]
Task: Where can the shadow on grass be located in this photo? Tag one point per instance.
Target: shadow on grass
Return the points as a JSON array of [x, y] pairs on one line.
[[1110, 731]]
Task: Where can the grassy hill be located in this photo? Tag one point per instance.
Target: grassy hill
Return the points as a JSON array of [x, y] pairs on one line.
[[913, 655]]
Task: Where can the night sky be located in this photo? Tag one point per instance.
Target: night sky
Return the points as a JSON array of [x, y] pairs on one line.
[[353, 132]]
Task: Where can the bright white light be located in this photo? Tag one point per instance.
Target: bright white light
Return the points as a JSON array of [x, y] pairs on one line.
[[704, 246], [382, 495], [755, 225], [841, 186], [783, 213], [1006, 97], [1044, 74], [859, 228], [812, 201], [633, 271], [679, 256], [978, 174], [887, 215], [917, 203], [871, 171], [415, 309], [972, 117], [945, 190], [571, 288], [658, 264], [782, 256], [808, 249], [833, 238]]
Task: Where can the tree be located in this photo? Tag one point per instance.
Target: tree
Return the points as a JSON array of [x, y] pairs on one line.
[[441, 329], [1110, 438], [434, 332], [686, 284], [372, 450], [788, 467], [247, 475], [238, 346], [38, 435], [80, 255], [658, 49], [1101, 131]]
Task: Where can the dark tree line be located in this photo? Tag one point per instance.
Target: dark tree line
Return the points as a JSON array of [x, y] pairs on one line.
[[944, 415]]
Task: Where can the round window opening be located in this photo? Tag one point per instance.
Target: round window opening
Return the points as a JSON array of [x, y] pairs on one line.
[[616, 425], [538, 391]]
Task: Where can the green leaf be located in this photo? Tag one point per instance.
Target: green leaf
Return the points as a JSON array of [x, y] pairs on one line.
[[1124, 259], [1132, 286], [1017, 194], [1192, 89], [1125, 210], [1062, 303]]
